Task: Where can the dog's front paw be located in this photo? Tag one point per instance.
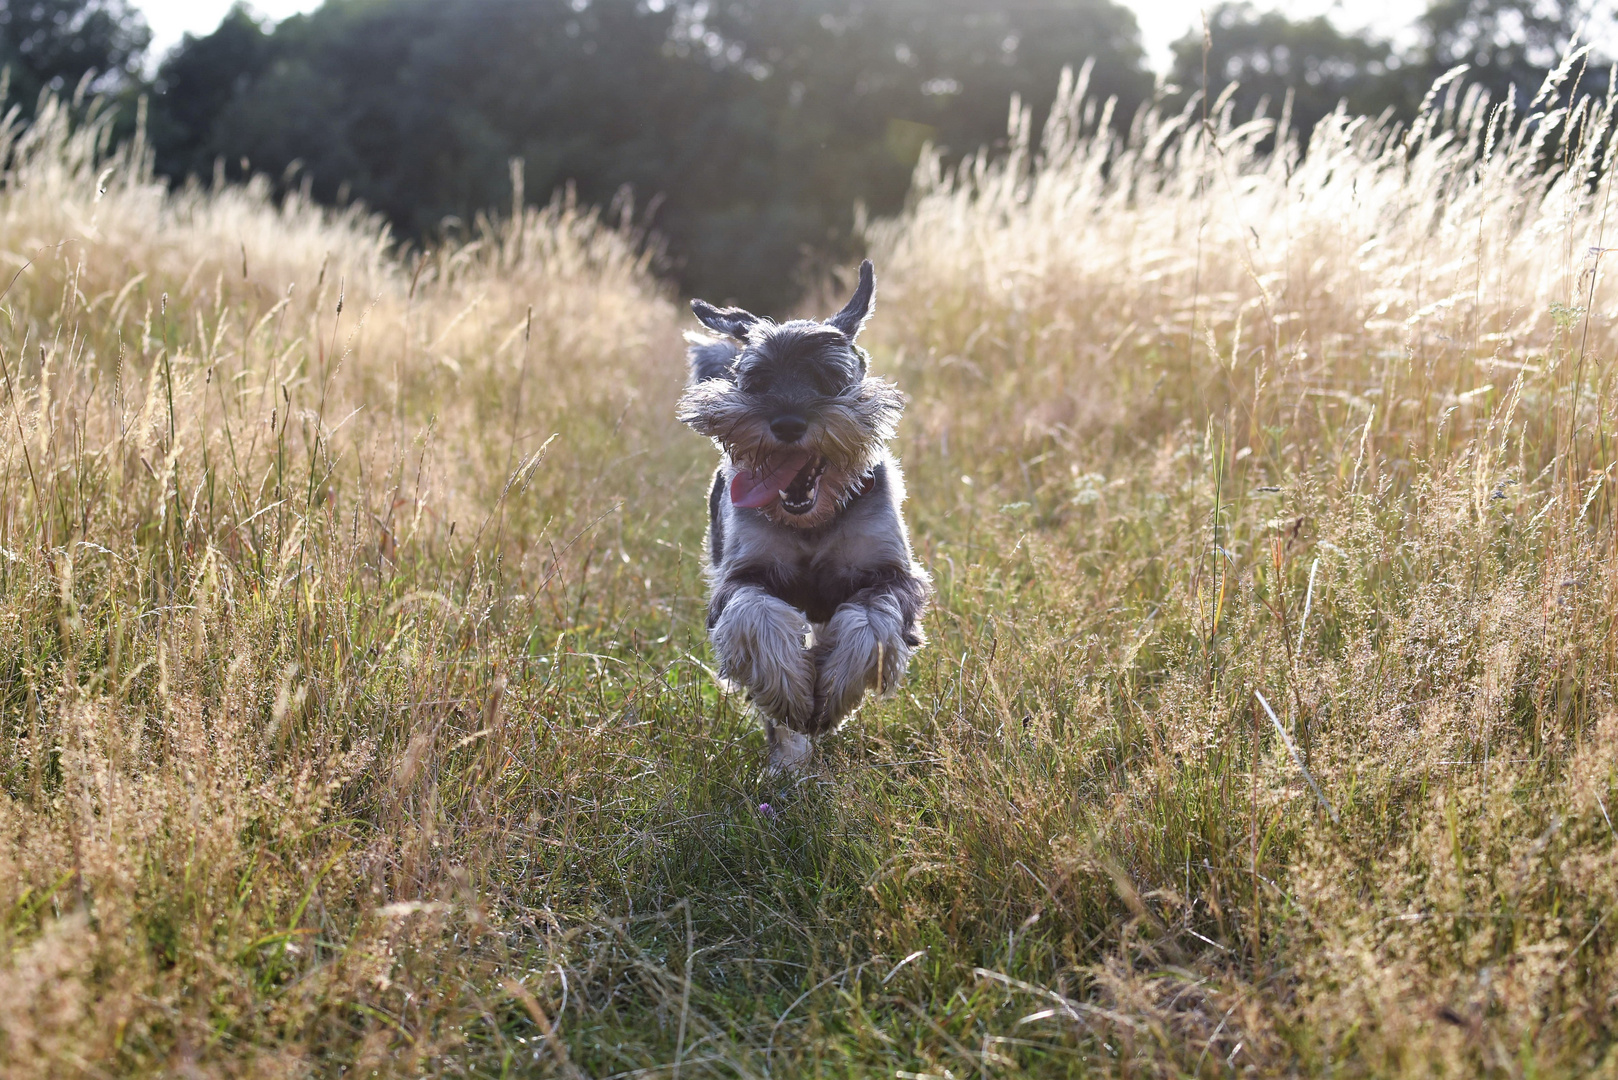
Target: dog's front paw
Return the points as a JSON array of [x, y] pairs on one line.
[[789, 751], [862, 648], [760, 643]]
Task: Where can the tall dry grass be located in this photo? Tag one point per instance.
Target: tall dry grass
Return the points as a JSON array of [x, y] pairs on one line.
[[1322, 434], [273, 503], [355, 713]]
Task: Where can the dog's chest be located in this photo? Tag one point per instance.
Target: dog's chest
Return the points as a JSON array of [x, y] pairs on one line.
[[816, 571]]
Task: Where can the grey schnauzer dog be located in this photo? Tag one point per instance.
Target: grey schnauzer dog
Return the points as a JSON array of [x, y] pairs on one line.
[[814, 595]]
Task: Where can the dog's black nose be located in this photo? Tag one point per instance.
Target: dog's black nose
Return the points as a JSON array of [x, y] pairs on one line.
[[788, 428]]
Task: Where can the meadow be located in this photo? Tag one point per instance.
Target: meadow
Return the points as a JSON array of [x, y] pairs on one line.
[[357, 718]]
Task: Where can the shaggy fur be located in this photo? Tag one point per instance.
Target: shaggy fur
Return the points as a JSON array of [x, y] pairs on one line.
[[815, 596]]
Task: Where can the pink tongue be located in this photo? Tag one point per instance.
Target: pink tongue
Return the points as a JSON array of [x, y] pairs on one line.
[[751, 489]]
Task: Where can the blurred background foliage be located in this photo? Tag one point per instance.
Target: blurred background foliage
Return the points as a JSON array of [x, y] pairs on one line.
[[743, 135]]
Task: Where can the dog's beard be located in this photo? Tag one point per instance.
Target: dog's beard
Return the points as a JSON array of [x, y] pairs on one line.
[[802, 484]]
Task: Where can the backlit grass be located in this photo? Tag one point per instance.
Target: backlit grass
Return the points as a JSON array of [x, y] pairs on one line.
[[356, 714]]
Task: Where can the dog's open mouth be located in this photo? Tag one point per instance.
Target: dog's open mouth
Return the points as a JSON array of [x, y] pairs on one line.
[[794, 479], [799, 496]]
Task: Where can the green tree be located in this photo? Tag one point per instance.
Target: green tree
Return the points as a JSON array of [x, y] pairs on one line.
[[197, 81], [853, 90], [753, 126], [1507, 43], [52, 45], [1270, 56]]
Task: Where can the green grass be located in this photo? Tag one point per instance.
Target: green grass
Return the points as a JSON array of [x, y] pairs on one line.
[[356, 715]]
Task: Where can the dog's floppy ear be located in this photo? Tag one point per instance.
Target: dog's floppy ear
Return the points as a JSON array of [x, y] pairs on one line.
[[852, 318], [732, 322], [710, 359]]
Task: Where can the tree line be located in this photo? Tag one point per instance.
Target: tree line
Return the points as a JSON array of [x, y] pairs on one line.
[[743, 133]]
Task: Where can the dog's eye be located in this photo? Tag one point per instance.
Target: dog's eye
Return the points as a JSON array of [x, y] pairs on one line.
[[830, 381], [754, 382]]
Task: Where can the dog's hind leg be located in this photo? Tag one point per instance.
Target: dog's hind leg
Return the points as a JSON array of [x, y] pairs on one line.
[[760, 643], [866, 645]]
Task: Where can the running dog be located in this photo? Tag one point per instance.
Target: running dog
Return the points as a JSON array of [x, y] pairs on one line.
[[814, 594]]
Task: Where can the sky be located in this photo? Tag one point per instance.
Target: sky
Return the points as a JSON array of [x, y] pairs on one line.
[[1161, 21]]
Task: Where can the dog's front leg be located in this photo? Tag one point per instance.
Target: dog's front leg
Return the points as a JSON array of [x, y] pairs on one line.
[[866, 645], [759, 639]]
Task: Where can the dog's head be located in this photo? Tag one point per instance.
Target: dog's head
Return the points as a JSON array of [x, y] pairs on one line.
[[793, 405]]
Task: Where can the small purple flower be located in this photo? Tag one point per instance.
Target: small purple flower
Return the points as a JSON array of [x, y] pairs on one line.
[[765, 809]]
